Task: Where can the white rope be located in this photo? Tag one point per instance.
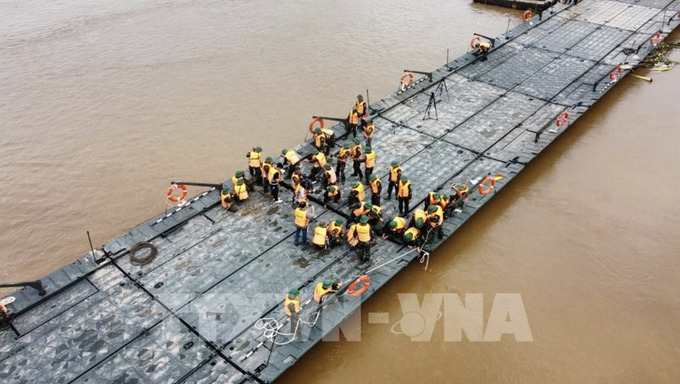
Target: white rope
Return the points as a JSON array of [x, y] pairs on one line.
[[390, 261], [271, 329]]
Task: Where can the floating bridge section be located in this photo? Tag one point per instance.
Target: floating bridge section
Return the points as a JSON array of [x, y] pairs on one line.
[[190, 316]]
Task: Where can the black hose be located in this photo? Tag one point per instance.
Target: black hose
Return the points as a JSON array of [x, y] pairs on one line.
[[144, 259]]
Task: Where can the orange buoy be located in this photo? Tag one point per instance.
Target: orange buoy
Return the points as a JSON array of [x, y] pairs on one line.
[[616, 73], [527, 15], [562, 118], [474, 41], [314, 121], [364, 283], [487, 185], [175, 187], [406, 80]]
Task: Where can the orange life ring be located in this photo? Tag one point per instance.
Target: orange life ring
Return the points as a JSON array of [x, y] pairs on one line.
[[562, 118], [407, 83], [172, 189], [655, 39], [365, 283], [475, 40], [527, 15], [314, 121], [616, 73], [483, 189]]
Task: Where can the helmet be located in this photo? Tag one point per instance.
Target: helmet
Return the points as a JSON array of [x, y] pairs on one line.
[[419, 223], [339, 222], [284, 151], [268, 159], [372, 177], [332, 188], [327, 166], [395, 163], [259, 149], [368, 205], [240, 181], [431, 208], [360, 96], [323, 223], [346, 144], [437, 196], [393, 224], [408, 237], [294, 292], [368, 149], [239, 173], [327, 283], [363, 219], [317, 130], [403, 177], [225, 189], [356, 140], [354, 184]]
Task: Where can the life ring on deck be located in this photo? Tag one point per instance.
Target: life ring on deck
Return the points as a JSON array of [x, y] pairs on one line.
[[314, 121], [406, 80], [175, 187], [527, 15], [474, 41], [485, 189], [655, 39], [616, 73], [562, 118], [364, 283]]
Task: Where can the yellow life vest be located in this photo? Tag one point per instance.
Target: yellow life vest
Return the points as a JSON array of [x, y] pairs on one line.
[[320, 291], [356, 150], [292, 157], [444, 202], [343, 154], [272, 173], [361, 107], [319, 139], [353, 117], [254, 159], [403, 188], [419, 214], [332, 178], [370, 160], [401, 224], [235, 180], [375, 185], [364, 232], [360, 210], [288, 302], [295, 181], [484, 45], [351, 233], [438, 215], [394, 173], [335, 230], [361, 194], [320, 234], [265, 170], [301, 218], [320, 159], [327, 132], [431, 199], [377, 211], [334, 193], [226, 199], [241, 191], [369, 130], [414, 232]]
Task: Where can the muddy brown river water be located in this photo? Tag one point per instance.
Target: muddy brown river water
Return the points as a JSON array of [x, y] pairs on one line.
[[103, 103]]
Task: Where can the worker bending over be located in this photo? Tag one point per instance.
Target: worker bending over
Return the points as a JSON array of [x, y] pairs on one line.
[[320, 238], [241, 190], [227, 199], [395, 228], [482, 49], [291, 161], [335, 230], [413, 238], [332, 194], [435, 218]]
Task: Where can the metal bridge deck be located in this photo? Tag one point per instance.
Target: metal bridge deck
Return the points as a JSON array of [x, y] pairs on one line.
[[189, 316]]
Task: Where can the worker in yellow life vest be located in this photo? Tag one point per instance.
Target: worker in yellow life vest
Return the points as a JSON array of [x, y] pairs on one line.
[[357, 158], [318, 160], [375, 215], [302, 217], [413, 238], [300, 194], [264, 170], [405, 194], [329, 176], [432, 198], [364, 234], [376, 188], [255, 162], [395, 228], [320, 140], [320, 238], [483, 49], [461, 195], [291, 161], [369, 162], [359, 209], [241, 191], [352, 239], [291, 306], [369, 130], [238, 175], [227, 198], [395, 174], [275, 177], [361, 106], [419, 220], [343, 154], [295, 178], [446, 203], [356, 194], [335, 230], [435, 218], [353, 120], [332, 194], [323, 290]]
